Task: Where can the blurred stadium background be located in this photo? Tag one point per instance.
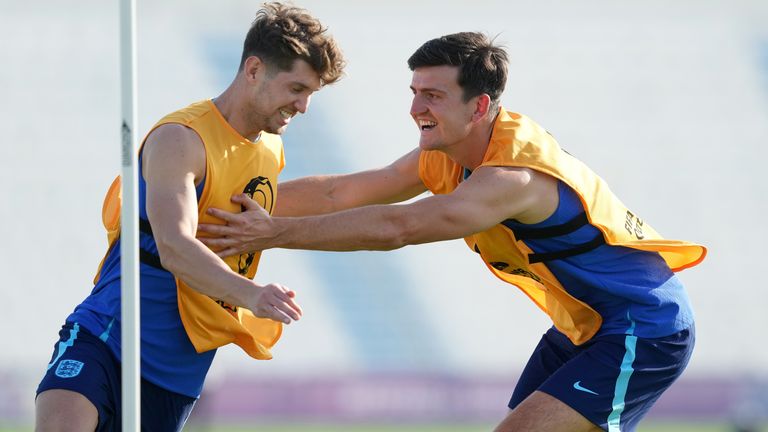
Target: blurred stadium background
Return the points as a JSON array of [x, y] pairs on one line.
[[668, 101]]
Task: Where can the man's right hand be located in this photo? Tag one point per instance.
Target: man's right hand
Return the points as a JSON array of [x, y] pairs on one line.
[[244, 232], [276, 302]]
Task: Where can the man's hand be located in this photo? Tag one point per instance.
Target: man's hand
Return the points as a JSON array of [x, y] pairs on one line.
[[248, 231], [275, 302]]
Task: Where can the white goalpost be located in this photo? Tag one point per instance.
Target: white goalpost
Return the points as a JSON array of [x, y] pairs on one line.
[[129, 217]]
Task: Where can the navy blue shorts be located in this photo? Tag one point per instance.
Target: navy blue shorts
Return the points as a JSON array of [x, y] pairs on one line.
[[82, 363], [611, 380]]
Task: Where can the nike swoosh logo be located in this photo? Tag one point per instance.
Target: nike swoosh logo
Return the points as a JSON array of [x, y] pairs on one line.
[[577, 386]]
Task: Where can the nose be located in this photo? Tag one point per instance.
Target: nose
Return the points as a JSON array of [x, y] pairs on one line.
[[417, 106], [302, 105]]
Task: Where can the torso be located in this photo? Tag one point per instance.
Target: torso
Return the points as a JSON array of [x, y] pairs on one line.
[[621, 284], [168, 359]]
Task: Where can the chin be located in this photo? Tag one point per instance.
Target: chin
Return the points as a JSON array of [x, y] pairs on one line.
[[428, 145], [276, 131]]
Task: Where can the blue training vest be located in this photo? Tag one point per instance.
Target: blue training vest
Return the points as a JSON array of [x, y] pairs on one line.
[[619, 283], [168, 358]]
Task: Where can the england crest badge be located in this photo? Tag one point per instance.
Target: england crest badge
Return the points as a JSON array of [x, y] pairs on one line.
[[69, 368]]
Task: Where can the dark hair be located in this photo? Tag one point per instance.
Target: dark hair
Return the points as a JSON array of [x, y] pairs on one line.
[[281, 34], [482, 66]]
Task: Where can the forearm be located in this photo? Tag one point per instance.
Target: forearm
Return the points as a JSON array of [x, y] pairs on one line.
[[305, 196], [201, 269], [332, 234], [378, 227], [332, 193]]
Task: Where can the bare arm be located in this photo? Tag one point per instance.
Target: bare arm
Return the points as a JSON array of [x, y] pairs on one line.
[[489, 196], [173, 161], [396, 182]]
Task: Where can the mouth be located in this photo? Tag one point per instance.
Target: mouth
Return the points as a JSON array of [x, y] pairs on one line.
[[286, 115], [426, 125]]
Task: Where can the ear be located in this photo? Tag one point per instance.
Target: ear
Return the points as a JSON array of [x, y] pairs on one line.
[[253, 68], [482, 106]]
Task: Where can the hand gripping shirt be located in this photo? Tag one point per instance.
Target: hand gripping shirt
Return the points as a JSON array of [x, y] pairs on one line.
[[181, 328], [599, 239]]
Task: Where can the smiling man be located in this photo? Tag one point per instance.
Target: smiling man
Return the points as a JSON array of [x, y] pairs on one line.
[[537, 217], [192, 301]]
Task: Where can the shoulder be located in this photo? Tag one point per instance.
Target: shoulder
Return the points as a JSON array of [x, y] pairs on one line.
[[507, 176], [170, 134], [532, 194], [177, 144], [174, 138], [515, 179]]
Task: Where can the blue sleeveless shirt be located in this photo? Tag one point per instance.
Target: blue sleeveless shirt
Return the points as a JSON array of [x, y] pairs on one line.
[[623, 285], [168, 358]]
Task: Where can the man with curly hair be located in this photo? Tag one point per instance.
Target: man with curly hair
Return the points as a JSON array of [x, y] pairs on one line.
[[192, 301]]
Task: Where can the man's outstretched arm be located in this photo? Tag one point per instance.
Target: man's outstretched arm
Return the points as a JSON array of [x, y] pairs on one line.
[[173, 160], [396, 182], [489, 196]]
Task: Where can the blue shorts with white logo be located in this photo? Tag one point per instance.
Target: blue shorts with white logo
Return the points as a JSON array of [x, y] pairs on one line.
[[612, 380], [82, 363]]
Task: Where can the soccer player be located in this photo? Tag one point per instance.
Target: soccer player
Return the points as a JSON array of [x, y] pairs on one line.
[[537, 217], [192, 301]]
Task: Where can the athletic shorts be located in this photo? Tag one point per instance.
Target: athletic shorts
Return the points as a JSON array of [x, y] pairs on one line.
[[84, 364], [611, 380]]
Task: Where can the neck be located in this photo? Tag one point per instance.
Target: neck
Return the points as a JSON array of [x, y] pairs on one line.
[[234, 112], [471, 151]]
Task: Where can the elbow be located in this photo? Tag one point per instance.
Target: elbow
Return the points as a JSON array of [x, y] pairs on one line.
[[331, 199], [403, 231], [411, 228], [170, 257], [169, 263]]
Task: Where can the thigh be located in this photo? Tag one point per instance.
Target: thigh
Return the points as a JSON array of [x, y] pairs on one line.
[[64, 410], [553, 351], [81, 383], [541, 412], [616, 379]]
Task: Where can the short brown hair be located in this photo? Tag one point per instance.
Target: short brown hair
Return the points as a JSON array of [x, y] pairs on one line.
[[281, 34], [482, 65]]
